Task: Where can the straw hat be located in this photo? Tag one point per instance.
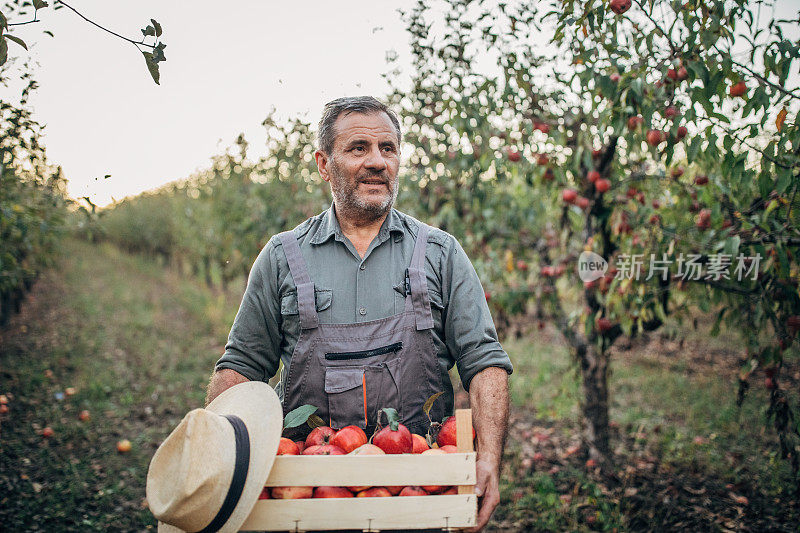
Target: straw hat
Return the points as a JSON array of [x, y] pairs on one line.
[[200, 478]]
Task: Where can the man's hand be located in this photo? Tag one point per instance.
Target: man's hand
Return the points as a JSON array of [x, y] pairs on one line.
[[488, 490], [222, 380], [488, 396]]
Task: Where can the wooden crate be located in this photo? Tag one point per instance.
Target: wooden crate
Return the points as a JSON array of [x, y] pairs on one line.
[[448, 512]]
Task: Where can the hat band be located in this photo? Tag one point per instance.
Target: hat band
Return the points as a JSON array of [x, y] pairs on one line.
[[239, 475]]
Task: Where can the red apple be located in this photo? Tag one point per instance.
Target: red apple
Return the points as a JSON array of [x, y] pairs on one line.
[[451, 490], [331, 492], [349, 438], [569, 195], [124, 446], [602, 185], [672, 74], [671, 112], [543, 159], [48, 432], [681, 133], [394, 490], [593, 176], [367, 449], [582, 202], [603, 324], [447, 433], [704, 219], [700, 179], [738, 89], [549, 175], [615, 77], [287, 447], [655, 137], [292, 493], [413, 491], [380, 492], [513, 155], [394, 440], [620, 6], [323, 449], [634, 122], [319, 435], [301, 445], [84, 416]]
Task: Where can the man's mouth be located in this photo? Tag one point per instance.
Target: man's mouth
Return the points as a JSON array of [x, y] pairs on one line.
[[373, 181]]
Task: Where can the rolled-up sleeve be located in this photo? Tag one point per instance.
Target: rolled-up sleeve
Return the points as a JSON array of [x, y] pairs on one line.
[[470, 334], [253, 347]]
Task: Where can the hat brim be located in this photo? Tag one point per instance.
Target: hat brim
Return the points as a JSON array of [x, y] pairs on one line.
[[257, 404]]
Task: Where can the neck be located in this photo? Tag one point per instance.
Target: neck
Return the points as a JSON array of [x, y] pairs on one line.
[[360, 228]]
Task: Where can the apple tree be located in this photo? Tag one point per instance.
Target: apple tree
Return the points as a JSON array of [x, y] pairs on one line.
[[661, 136]]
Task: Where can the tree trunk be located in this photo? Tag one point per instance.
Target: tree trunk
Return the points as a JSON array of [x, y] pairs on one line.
[[594, 407]]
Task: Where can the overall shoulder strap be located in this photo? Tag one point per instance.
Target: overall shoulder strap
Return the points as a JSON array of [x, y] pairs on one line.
[[419, 282], [306, 302]]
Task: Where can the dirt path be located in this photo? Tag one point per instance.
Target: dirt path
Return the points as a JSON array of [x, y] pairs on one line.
[[136, 343]]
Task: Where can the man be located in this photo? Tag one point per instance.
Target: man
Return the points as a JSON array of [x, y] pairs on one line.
[[367, 307]]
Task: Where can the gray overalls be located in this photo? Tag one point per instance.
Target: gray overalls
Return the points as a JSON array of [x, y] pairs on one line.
[[351, 371]]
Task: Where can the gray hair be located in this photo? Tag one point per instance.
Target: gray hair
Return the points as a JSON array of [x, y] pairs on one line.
[[350, 104]]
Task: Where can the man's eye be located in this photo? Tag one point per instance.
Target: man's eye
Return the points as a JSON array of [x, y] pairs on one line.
[[389, 148], [359, 148]]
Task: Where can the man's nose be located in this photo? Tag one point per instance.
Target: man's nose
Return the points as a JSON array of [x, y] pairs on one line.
[[375, 159]]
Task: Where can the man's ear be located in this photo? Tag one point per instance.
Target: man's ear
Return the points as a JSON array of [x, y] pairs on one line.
[[322, 160]]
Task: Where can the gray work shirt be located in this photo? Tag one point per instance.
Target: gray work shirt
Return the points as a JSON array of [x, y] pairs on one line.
[[350, 289]]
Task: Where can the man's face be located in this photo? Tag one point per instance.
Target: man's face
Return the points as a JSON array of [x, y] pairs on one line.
[[362, 169]]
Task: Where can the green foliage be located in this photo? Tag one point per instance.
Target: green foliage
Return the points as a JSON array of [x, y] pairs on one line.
[[19, 8], [647, 99], [32, 202]]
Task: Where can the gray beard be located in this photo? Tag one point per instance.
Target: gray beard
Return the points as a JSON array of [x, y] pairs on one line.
[[354, 207]]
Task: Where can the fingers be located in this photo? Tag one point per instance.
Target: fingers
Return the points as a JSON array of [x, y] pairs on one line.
[[486, 487], [488, 505]]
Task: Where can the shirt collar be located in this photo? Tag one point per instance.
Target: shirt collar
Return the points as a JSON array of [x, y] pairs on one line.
[[329, 226]]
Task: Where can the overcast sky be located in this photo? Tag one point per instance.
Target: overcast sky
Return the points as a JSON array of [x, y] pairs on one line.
[[227, 65]]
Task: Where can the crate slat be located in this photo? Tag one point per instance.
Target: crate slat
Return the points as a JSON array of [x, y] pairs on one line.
[[372, 470], [401, 512]]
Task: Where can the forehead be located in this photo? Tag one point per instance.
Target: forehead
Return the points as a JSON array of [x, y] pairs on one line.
[[376, 127]]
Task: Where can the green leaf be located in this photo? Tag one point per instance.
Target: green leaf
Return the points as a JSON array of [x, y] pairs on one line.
[[16, 40], [157, 27], [39, 4], [149, 30], [298, 417], [158, 53], [392, 417], [152, 66], [314, 421], [3, 51], [3, 22], [429, 403]]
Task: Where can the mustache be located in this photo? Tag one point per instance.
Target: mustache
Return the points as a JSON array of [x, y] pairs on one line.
[[380, 177]]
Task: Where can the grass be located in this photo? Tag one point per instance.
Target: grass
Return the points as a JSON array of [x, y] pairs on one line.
[[138, 343]]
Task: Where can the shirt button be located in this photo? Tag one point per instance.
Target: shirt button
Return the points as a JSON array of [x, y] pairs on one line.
[[363, 266], [363, 311]]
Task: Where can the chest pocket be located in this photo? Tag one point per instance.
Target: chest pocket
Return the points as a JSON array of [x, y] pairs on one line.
[[323, 299]]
